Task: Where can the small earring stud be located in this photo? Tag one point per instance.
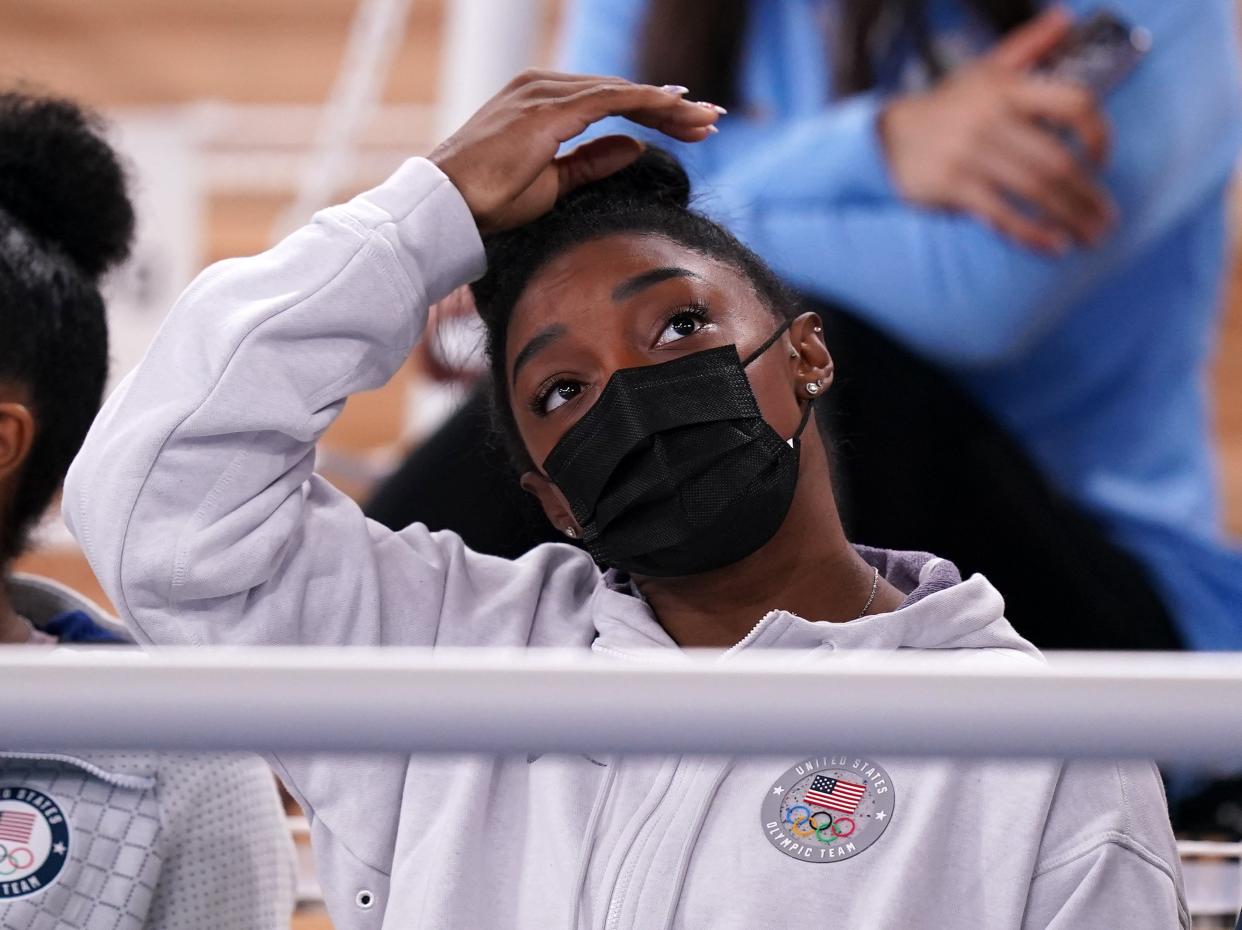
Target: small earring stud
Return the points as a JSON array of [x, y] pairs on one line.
[[812, 387], [571, 532], [817, 329]]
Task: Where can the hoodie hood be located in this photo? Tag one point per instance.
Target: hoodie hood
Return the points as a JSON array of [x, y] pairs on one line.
[[941, 611]]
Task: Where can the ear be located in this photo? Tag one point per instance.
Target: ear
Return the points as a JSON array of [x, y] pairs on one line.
[[553, 502], [810, 361], [17, 430]]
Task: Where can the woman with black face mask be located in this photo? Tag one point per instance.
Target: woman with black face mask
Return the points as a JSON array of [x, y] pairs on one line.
[[655, 383], [1028, 321]]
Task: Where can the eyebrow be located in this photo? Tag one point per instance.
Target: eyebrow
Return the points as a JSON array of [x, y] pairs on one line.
[[623, 291], [631, 286], [540, 341]]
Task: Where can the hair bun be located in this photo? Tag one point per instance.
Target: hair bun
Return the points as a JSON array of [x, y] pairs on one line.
[[62, 182], [656, 177]]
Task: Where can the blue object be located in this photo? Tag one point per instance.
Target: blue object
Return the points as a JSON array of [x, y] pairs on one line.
[[1097, 361], [76, 626]]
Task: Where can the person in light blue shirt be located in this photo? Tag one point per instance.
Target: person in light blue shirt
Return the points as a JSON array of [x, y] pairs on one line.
[[1080, 316]]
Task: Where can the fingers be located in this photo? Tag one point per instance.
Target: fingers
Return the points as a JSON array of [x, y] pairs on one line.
[[544, 75], [1035, 166], [1024, 47], [595, 160], [653, 107], [991, 206], [1054, 210], [1065, 105], [503, 160], [575, 102]]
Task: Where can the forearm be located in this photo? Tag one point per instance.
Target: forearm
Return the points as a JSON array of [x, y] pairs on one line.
[[946, 284], [942, 284], [210, 441]]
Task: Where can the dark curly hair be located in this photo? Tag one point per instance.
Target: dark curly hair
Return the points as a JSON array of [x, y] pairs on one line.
[[651, 196], [65, 219]]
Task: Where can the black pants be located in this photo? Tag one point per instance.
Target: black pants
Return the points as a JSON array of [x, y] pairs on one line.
[[918, 464]]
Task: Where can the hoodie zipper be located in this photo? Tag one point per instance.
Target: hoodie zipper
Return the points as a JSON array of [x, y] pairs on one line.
[[588, 841], [647, 841], [692, 841], [658, 656], [634, 854], [137, 782], [612, 918], [752, 635]]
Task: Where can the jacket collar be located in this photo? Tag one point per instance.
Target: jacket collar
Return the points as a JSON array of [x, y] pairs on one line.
[[941, 611], [40, 599]]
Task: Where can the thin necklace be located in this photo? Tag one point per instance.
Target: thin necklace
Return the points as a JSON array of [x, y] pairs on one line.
[[875, 584]]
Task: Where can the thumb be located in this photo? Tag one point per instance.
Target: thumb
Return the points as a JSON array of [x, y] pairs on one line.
[[1023, 48], [594, 160]]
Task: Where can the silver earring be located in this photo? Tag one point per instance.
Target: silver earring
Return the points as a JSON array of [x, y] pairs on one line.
[[812, 387], [571, 532], [817, 329]]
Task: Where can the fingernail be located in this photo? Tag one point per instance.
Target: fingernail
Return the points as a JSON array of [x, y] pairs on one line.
[[713, 129], [711, 106], [675, 89]]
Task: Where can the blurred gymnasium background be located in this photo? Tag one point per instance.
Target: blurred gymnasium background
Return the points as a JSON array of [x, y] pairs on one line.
[[225, 111], [239, 118]]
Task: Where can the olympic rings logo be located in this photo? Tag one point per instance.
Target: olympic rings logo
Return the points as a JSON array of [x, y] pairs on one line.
[[824, 831], [15, 860]]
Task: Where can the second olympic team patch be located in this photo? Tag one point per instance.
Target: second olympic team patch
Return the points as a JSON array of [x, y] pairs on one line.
[[34, 841]]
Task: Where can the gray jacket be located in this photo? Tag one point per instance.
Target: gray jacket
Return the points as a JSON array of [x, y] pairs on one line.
[[196, 500], [131, 840]]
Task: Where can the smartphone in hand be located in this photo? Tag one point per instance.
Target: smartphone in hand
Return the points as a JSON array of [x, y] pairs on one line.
[[1099, 53]]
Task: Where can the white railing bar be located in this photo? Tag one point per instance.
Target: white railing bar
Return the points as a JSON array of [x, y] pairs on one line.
[[1177, 707], [1208, 849]]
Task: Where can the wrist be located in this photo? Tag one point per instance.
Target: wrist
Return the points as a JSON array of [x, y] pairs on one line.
[[419, 196], [896, 124], [888, 126]]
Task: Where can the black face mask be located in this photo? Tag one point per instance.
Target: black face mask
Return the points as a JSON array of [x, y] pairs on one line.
[[674, 471]]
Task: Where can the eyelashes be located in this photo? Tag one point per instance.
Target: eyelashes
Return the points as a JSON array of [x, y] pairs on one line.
[[538, 404], [695, 311], [557, 390]]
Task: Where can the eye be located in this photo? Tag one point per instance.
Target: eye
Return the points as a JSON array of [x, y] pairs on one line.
[[556, 394], [685, 322]]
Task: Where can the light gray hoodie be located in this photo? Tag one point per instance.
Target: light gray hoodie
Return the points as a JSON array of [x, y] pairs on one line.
[[196, 501]]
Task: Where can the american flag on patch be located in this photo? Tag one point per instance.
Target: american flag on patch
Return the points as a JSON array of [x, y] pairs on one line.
[[834, 794], [16, 826]]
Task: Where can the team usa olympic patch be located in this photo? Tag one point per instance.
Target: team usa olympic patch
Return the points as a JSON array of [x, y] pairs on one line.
[[828, 808], [34, 841]]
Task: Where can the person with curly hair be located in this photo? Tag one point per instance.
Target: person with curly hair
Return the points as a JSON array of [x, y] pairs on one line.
[[96, 840]]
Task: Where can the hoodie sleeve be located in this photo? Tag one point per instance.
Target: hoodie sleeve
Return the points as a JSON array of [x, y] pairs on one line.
[[194, 495], [1108, 857]]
